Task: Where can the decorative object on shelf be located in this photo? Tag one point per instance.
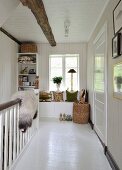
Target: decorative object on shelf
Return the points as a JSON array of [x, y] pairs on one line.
[[116, 44], [32, 71], [58, 96], [26, 83], [25, 78], [26, 59], [21, 81], [45, 96], [71, 96], [117, 17], [71, 71], [57, 81], [36, 82], [24, 71], [28, 47], [117, 80]]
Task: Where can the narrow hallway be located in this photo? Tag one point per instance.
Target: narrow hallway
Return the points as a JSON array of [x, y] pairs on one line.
[[64, 146]]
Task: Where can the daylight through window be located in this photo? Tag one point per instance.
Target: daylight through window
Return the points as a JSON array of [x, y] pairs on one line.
[[59, 65]]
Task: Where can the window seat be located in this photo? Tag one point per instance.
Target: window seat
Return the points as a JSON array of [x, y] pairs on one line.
[[53, 109]]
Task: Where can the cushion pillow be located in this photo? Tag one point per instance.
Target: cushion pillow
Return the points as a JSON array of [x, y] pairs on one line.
[[71, 96], [82, 93], [58, 96], [45, 96], [84, 96]]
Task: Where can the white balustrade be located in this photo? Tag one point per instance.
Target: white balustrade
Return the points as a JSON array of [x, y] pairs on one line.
[[12, 140]]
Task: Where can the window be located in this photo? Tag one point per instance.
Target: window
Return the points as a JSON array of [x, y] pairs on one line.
[[59, 65]]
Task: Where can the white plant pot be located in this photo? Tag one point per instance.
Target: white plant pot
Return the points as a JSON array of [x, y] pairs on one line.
[[58, 87]]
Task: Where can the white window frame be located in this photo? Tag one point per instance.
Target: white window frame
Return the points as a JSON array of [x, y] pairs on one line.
[[64, 56]]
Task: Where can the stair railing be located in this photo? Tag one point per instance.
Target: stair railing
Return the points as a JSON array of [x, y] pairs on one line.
[[12, 140]]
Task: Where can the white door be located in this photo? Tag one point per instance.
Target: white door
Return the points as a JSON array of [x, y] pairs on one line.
[[100, 85]]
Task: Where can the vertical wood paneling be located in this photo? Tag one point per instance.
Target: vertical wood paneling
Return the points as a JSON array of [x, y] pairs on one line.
[[6, 8], [8, 50], [70, 48]]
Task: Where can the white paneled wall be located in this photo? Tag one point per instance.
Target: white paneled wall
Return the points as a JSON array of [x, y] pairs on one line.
[[114, 138], [8, 60], [6, 8], [74, 48]]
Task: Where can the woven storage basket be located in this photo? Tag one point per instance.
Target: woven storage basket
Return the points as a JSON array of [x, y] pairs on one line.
[[28, 48], [80, 113]]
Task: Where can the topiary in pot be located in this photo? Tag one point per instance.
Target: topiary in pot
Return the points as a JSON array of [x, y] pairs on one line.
[[57, 81]]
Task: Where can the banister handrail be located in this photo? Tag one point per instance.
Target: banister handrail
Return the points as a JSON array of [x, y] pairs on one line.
[[12, 140], [9, 104]]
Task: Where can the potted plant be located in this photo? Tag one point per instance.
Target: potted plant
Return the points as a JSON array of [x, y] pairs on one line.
[[57, 81]]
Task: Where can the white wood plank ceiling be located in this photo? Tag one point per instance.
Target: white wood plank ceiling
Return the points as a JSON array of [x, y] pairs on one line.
[[82, 14]]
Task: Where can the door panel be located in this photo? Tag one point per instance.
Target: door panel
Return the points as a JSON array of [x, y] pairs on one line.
[[100, 100]]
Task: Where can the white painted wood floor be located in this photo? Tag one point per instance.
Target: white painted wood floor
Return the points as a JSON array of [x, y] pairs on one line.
[[64, 146]]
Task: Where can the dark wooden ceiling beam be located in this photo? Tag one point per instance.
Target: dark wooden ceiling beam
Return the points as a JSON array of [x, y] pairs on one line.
[[38, 9], [10, 36]]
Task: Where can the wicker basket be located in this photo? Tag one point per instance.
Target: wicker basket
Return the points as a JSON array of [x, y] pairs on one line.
[[80, 113], [28, 48]]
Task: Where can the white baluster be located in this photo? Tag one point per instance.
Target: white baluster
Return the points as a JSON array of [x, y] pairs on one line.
[[1, 139], [15, 131], [20, 141], [10, 136], [27, 135], [23, 140], [6, 141], [18, 131]]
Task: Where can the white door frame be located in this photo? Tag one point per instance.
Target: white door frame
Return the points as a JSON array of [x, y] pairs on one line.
[[103, 30]]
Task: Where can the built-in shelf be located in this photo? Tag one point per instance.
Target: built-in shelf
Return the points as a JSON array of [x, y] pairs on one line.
[[28, 64], [27, 86], [26, 74]]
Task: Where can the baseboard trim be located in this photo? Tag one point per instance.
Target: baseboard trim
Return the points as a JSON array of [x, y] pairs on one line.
[[48, 119], [111, 160], [107, 153], [109, 156], [103, 144], [91, 124]]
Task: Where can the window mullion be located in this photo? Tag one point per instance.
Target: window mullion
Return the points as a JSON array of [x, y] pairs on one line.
[[78, 83], [49, 72], [63, 70]]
